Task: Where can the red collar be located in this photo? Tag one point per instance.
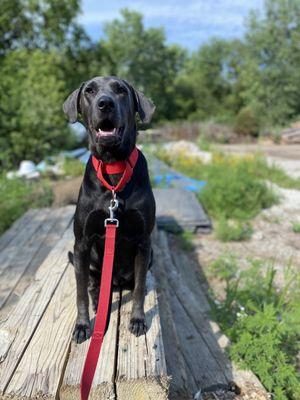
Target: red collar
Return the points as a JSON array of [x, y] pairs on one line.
[[118, 167]]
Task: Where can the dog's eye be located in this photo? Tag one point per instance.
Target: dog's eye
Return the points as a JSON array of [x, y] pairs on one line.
[[89, 90], [119, 89]]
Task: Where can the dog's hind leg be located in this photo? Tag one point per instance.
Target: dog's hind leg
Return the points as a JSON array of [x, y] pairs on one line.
[[82, 330], [137, 323], [94, 286]]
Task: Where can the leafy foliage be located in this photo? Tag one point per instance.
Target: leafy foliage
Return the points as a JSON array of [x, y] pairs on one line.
[[45, 54], [142, 56], [31, 121], [73, 167], [262, 320], [246, 123], [296, 227], [237, 231], [234, 189], [17, 195]]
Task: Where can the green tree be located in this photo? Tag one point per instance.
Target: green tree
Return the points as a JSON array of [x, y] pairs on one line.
[[31, 94], [142, 56], [36, 23], [38, 38], [204, 85], [270, 75]]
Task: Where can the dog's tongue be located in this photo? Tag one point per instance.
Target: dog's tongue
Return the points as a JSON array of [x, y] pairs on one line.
[[100, 132]]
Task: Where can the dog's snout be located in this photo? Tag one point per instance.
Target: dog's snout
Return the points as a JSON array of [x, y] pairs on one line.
[[105, 103]]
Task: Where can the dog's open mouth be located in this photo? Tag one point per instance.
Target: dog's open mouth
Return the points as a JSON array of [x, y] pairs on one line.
[[107, 128]]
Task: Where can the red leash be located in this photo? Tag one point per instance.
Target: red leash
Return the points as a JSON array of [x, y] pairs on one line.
[[102, 313], [111, 224]]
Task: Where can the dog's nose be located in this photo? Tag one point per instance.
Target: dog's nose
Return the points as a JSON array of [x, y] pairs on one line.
[[105, 103]]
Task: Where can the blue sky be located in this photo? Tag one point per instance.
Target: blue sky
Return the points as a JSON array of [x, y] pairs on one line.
[[188, 22]]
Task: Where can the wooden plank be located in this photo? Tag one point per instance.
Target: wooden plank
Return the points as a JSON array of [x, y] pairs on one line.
[[16, 331], [191, 308], [39, 372], [58, 220], [201, 362], [103, 383], [194, 304], [23, 236], [141, 369], [181, 385], [183, 212], [16, 257], [8, 236]]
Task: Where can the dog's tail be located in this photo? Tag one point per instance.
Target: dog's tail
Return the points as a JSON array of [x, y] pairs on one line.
[[71, 257]]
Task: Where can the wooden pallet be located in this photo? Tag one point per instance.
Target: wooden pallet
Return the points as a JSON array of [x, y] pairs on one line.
[[38, 359]]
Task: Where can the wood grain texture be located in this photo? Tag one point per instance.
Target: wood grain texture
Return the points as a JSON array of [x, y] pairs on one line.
[[58, 221], [15, 259], [181, 386], [16, 331], [197, 316], [201, 340], [39, 372], [103, 383], [141, 368], [10, 235]]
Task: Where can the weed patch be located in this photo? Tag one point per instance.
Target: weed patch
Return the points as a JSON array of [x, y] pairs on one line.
[[73, 167], [275, 174], [17, 196], [262, 322], [296, 227], [186, 240], [230, 230], [234, 189]]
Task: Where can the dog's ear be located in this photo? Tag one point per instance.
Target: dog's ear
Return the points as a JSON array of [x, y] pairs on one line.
[[71, 106], [144, 106]]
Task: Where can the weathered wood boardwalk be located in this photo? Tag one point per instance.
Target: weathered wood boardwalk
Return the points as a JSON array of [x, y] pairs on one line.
[[181, 353]]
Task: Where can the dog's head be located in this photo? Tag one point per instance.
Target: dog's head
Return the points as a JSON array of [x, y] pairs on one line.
[[108, 106]]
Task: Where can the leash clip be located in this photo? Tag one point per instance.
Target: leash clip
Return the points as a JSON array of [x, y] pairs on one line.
[[114, 204]]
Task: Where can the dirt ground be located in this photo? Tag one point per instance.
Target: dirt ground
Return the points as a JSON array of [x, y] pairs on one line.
[[273, 237]]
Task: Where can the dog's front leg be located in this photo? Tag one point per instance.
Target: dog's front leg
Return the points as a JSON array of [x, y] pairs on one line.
[[82, 330], [137, 323]]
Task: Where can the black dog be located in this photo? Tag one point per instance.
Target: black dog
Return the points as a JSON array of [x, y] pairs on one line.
[[108, 106]]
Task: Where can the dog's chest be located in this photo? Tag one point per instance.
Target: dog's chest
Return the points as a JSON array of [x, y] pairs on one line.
[[131, 224]]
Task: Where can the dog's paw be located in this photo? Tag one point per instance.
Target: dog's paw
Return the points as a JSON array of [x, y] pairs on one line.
[[81, 333], [137, 326]]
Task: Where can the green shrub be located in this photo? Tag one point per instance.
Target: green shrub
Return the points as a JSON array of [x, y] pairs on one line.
[[235, 189], [73, 167], [230, 230], [18, 195], [32, 124], [186, 240], [296, 227], [274, 174], [262, 321], [246, 123]]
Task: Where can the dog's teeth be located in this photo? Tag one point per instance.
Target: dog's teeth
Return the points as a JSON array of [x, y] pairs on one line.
[[101, 132]]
